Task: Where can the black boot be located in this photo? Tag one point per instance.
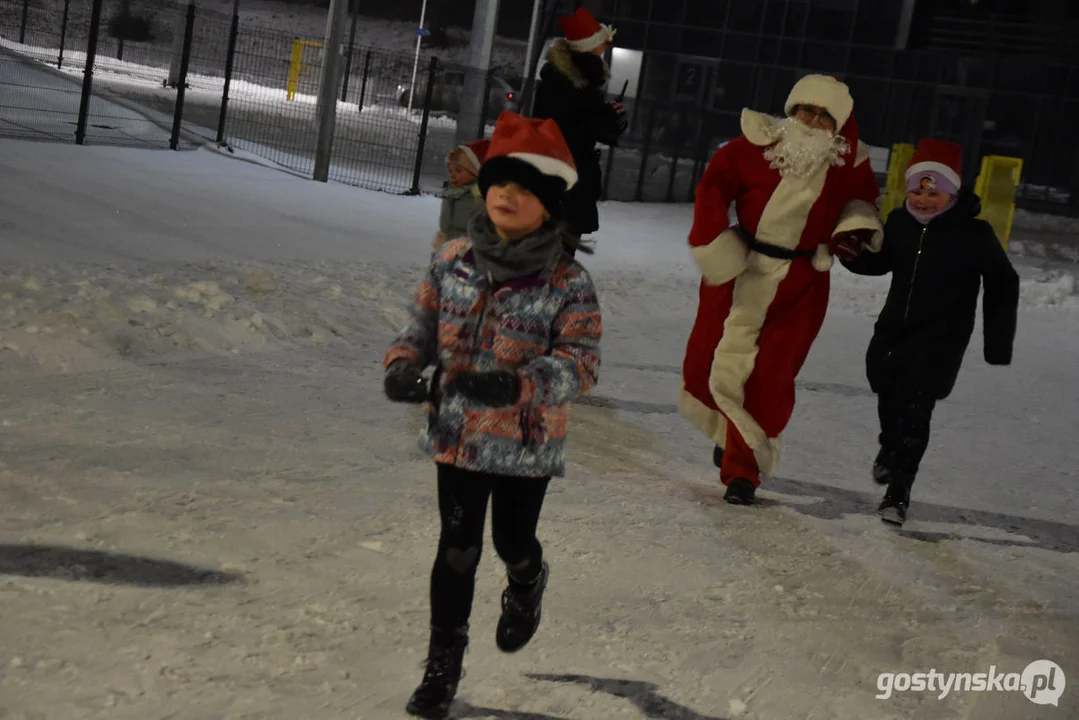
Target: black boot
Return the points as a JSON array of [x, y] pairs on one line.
[[521, 612], [882, 467], [717, 457], [741, 492], [893, 508], [445, 658]]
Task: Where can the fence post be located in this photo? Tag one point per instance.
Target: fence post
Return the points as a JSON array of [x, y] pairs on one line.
[[348, 56], [181, 84], [606, 195], [422, 145], [675, 156], [22, 25], [363, 81], [646, 147], [488, 83], [63, 35], [88, 73], [234, 31], [700, 157]]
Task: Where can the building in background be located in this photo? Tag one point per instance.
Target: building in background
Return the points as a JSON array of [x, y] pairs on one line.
[[999, 76]]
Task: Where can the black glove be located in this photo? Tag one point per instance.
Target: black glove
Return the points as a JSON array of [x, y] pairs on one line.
[[404, 383], [496, 389]]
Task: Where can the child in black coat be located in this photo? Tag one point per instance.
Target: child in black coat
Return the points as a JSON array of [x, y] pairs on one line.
[[939, 253]]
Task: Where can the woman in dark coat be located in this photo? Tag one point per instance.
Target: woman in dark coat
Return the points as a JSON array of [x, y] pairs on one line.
[[939, 253], [572, 92]]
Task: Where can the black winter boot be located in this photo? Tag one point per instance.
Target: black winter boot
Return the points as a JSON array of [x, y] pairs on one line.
[[521, 612], [717, 457], [893, 508], [741, 491], [882, 467], [445, 659]]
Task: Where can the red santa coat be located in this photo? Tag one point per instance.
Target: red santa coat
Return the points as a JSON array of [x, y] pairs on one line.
[[758, 316]]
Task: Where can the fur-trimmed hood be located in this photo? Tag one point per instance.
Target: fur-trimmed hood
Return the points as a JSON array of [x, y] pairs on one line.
[[581, 69]]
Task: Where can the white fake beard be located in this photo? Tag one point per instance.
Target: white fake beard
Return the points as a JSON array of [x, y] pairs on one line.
[[802, 150]]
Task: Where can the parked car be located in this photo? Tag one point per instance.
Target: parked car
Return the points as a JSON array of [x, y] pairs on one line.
[[446, 95]]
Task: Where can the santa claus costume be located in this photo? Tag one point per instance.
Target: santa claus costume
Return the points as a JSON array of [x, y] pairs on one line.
[[801, 195]]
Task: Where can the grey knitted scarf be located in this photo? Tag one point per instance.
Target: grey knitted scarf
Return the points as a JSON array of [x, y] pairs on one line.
[[502, 261]]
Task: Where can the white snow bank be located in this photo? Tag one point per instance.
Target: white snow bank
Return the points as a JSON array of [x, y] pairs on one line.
[[68, 317]]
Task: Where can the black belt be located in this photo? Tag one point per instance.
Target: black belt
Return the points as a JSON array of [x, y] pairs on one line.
[[768, 249]]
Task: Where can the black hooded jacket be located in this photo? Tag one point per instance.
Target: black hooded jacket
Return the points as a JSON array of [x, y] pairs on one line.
[[571, 92], [937, 270]]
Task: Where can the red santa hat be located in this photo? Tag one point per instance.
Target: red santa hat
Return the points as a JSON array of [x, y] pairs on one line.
[[822, 91], [583, 32], [532, 153], [475, 151], [936, 165]]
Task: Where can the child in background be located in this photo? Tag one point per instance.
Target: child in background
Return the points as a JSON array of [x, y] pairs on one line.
[[461, 199], [939, 253], [512, 325]]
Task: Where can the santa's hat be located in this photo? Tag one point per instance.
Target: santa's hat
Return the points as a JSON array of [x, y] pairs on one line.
[[936, 165], [533, 154], [583, 32], [822, 91], [475, 151]]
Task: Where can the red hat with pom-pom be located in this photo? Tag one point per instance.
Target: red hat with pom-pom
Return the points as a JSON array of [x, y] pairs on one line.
[[532, 153], [583, 32]]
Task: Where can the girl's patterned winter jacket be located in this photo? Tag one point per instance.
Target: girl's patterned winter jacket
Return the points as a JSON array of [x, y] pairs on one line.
[[547, 329]]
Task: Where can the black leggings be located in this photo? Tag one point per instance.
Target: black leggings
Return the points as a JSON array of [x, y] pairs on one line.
[[462, 503], [904, 428]]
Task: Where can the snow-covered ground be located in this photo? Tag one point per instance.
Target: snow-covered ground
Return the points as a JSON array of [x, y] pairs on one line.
[[208, 509]]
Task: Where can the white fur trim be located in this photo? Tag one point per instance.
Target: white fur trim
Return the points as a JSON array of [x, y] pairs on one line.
[[782, 223], [736, 356], [549, 166], [723, 259], [593, 41], [862, 155], [822, 91], [471, 156], [704, 418], [861, 215], [822, 258], [760, 129], [937, 167]]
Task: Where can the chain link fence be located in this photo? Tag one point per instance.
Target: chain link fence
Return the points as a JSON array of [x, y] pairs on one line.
[[178, 76]]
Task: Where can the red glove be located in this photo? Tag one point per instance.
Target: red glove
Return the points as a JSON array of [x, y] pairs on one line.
[[849, 245]]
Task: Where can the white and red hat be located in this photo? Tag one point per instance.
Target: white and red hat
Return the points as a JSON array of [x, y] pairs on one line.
[[583, 32], [475, 151], [822, 91], [532, 153], [936, 165]]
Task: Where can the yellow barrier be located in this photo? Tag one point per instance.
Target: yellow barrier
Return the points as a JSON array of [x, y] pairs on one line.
[[296, 66], [997, 182], [895, 191]]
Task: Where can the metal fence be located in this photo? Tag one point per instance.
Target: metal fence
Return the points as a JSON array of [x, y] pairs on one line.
[[181, 76], [1014, 107]]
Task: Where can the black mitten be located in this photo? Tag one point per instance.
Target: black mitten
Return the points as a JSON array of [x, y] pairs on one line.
[[404, 383], [495, 389]]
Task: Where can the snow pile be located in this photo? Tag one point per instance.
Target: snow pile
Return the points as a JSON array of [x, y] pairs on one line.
[[1050, 289], [67, 317]]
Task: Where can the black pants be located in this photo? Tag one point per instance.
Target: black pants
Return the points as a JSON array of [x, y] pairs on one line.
[[462, 504], [905, 418]]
